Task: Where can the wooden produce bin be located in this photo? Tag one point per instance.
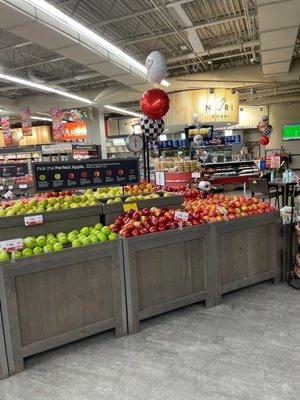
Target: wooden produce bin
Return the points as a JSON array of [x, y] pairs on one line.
[[3, 358], [165, 271], [111, 211], [56, 298], [247, 251], [54, 221]]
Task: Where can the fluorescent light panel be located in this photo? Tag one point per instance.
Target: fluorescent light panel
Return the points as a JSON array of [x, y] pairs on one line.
[[43, 88], [123, 111], [83, 30]]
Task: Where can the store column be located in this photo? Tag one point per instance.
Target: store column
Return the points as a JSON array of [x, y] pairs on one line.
[[96, 129]]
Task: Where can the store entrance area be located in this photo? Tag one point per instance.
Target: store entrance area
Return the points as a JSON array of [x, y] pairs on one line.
[[242, 349], [149, 199]]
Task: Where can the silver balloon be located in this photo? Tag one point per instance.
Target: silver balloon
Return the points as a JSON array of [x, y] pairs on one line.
[[156, 67]]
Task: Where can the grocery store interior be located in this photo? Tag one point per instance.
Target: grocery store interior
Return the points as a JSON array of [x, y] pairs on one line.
[[149, 199]]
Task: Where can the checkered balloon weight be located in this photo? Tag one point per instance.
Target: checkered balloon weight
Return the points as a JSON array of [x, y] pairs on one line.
[[152, 127]]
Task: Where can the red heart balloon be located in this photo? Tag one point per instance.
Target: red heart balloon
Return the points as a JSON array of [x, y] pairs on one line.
[[155, 103], [264, 140]]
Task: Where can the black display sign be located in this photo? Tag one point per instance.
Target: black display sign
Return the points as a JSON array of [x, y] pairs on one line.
[[67, 175], [13, 170]]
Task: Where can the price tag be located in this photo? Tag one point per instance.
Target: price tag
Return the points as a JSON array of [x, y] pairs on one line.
[[10, 187], [196, 175], [23, 186], [160, 178], [130, 206], [12, 245], [1, 187], [222, 210], [33, 220], [181, 215]]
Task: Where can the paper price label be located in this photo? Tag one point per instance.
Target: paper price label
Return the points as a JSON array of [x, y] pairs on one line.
[[196, 175], [33, 220], [130, 206], [181, 215], [10, 187], [12, 245], [23, 186]]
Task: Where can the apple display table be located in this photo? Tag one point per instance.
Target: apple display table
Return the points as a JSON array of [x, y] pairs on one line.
[[55, 298], [53, 221], [3, 358]]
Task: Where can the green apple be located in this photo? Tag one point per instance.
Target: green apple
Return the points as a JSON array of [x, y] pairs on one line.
[[76, 243], [98, 227], [50, 236], [85, 241], [4, 256], [128, 199], [74, 205], [117, 200], [112, 236], [93, 203], [16, 254], [52, 241], [58, 247], [85, 231], [94, 239], [57, 206], [105, 230], [74, 232], [60, 234], [41, 241], [27, 252], [63, 240], [29, 242], [140, 197], [10, 213], [71, 238], [48, 248], [38, 250], [77, 199], [102, 237], [110, 201]]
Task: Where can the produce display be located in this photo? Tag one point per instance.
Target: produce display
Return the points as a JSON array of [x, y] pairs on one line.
[[40, 204], [219, 207], [213, 208], [56, 242], [142, 188], [135, 223], [188, 194]]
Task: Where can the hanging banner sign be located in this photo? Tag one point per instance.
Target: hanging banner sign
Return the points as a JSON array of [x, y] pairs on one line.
[[58, 129], [7, 134], [26, 121], [273, 158], [75, 130]]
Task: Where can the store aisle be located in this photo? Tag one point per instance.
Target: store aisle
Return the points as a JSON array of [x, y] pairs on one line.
[[245, 349]]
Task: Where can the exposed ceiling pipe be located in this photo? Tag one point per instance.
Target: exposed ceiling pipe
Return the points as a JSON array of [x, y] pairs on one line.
[[216, 50], [200, 25]]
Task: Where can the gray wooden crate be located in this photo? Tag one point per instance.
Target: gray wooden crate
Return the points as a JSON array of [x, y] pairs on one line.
[[165, 271], [247, 251], [56, 298], [112, 211], [3, 358], [54, 221]]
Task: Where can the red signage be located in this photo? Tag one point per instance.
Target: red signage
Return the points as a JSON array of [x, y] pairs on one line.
[[75, 130], [7, 134], [26, 121]]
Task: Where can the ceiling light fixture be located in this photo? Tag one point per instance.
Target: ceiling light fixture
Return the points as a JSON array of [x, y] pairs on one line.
[[83, 30], [43, 88], [123, 111]]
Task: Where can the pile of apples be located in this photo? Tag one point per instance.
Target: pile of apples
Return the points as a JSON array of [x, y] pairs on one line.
[[142, 188], [136, 223], [188, 194], [57, 242], [219, 207], [44, 204]]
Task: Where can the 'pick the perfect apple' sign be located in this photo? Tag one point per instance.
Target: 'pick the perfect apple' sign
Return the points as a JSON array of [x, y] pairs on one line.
[[66, 175]]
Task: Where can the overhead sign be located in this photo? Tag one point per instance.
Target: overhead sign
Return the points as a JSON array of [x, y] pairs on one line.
[[26, 121], [66, 175], [7, 134]]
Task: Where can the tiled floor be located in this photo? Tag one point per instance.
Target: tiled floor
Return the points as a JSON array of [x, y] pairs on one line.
[[248, 348]]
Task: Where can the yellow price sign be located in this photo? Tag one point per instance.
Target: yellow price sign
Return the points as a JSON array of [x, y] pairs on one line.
[[130, 206]]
